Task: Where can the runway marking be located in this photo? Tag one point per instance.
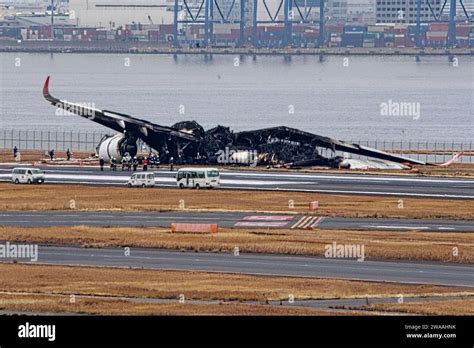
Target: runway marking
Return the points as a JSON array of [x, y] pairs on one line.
[[260, 224], [307, 221], [350, 177], [381, 193], [269, 217], [399, 227]]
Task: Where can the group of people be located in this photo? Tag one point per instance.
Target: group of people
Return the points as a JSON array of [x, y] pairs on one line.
[[127, 163], [51, 153]]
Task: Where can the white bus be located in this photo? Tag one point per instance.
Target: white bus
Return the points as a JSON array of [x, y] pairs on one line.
[[198, 178]]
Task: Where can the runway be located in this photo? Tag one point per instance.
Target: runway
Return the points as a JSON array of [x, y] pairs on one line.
[[227, 220], [382, 185], [261, 264]]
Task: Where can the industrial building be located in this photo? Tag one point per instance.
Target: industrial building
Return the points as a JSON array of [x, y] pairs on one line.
[[404, 11], [362, 11], [115, 13], [337, 10]]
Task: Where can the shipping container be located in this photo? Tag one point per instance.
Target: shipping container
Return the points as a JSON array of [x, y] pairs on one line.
[[355, 29], [439, 26], [462, 32], [275, 29], [352, 39], [11, 33], [335, 28], [369, 43], [376, 28], [166, 28], [431, 34]]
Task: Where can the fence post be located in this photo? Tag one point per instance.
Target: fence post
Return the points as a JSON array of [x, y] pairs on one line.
[[444, 152]]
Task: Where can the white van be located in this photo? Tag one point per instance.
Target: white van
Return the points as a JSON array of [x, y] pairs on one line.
[[27, 176], [141, 180], [198, 178]]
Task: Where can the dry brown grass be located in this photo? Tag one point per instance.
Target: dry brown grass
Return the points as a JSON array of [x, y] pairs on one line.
[[449, 307], [454, 170], [426, 246], [57, 197], [102, 306], [37, 155], [137, 283]]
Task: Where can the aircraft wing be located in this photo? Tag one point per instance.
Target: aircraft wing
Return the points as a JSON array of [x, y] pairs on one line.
[[116, 121], [286, 134]]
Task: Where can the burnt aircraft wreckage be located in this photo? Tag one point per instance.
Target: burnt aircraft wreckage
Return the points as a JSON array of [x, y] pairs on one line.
[[187, 142]]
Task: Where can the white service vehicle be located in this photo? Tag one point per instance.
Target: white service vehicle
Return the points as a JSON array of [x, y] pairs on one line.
[[141, 180], [198, 178], [27, 176]]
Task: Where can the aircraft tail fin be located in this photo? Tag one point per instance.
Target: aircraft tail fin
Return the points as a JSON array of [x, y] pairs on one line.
[[452, 160]]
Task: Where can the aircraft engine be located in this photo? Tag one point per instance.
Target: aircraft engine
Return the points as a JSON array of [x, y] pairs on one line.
[[117, 146]]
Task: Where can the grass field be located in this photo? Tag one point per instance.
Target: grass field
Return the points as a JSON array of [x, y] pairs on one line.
[[105, 306], [421, 246], [37, 155], [57, 197], [449, 307], [49, 289]]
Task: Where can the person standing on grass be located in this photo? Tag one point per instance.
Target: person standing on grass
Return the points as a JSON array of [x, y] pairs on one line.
[[68, 155], [51, 154], [15, 152]]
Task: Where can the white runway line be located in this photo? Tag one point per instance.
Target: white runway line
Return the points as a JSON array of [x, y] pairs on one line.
[[351, 177], [260, 224], [398, 227]]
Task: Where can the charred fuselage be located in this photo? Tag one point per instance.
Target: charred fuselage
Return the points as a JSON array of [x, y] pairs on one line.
[[187, 142]]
